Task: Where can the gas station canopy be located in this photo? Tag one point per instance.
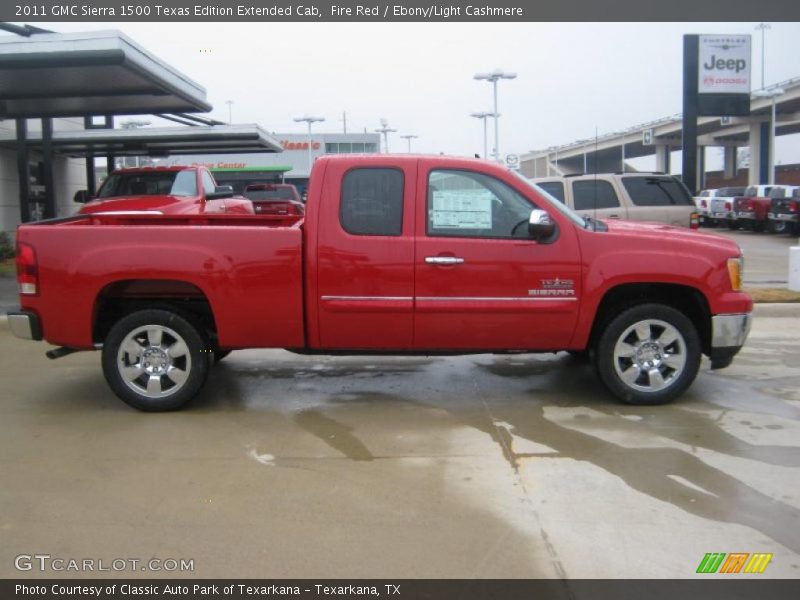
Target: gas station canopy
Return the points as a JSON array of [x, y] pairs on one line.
[[92, 73], [157, 141]]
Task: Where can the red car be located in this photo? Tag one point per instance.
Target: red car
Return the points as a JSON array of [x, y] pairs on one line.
[[396, 254], [163, 190], [274, 199], [751, 211]]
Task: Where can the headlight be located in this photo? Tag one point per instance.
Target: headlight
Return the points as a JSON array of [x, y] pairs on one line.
[[736, 272]]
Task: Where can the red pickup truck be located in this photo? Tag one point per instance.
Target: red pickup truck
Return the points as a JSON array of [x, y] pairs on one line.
[[163, 190], [395, 254]]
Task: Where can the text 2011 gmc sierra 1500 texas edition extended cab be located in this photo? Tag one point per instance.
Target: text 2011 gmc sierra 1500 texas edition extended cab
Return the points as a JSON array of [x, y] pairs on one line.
[[395, 254]]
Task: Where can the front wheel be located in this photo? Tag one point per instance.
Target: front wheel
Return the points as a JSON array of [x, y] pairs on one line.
[[155, 360], [648, 355]]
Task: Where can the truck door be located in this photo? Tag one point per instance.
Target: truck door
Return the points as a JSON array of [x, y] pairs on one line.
[[365, 255], [481, 283]]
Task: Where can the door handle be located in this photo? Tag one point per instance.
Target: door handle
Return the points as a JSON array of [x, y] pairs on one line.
[[443, 260]]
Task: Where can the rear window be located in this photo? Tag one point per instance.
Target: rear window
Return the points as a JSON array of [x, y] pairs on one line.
[[372, 202], [657, 191], [554, 188], [274, 194], [589, 195]]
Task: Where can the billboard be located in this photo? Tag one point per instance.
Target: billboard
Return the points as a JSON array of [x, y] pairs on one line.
[[724, 64]]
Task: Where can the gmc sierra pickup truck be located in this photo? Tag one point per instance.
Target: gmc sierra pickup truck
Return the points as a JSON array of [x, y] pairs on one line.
[[165, 190], [395, 255]]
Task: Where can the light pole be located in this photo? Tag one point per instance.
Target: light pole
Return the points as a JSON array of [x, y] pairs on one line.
[[772, 94], [494, 77], [763, 27], [309, 119], [484, 116], [385, 130], [409, 138], [230, 110]]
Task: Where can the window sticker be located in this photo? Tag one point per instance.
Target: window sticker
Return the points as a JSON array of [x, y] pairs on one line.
[[462, 209]]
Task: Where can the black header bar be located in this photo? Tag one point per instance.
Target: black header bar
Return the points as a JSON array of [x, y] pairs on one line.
[[399, 10]]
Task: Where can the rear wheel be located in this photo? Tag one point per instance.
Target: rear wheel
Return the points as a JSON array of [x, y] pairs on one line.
[[648, 355], [155, 360], [733, 225]]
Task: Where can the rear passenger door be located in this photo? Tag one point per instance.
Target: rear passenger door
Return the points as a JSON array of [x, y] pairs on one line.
[[365, 256], [597, 198]]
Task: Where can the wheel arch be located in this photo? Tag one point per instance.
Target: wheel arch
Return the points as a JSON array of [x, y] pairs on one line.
[[688, 300], [123, 297]]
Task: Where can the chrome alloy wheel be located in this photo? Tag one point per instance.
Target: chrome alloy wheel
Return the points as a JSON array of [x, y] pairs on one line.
[[650, 355], [154, 361]]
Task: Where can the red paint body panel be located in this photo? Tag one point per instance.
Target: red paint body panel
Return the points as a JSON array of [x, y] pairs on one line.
[[306, 283]]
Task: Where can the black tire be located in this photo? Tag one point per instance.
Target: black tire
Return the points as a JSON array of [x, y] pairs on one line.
[[733, 225], [670, 345], [758, 226], [164, 357], [778, 226]]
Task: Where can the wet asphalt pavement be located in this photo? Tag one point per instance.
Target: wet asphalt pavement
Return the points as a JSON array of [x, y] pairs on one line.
[[480, 466]]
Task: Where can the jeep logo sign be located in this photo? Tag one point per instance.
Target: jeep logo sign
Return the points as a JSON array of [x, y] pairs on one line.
[[724, 64]]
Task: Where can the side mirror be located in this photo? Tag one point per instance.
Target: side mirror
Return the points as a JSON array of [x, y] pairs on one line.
[[221, 191], [81, 197], [540, 226]]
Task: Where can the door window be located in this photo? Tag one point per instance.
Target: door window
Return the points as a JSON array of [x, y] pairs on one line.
[[208, 183], [372, 202], [591, 195], [469, 204]]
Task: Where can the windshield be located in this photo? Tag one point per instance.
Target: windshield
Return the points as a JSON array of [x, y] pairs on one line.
[[150, 183], [562, 208]]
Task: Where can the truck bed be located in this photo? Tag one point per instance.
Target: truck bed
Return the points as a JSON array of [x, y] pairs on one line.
[[242, 265]]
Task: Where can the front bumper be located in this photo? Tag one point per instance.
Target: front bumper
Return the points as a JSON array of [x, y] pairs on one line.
[[25, 324], [728, 334]]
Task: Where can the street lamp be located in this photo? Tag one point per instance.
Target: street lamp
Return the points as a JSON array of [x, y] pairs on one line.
[[385, 130], [484, 116], [309, 119], [773, 93], [763, 27], [409, 138], [494, 77]]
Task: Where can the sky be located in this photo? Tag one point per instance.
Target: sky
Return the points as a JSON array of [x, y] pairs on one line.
[[572, 78]]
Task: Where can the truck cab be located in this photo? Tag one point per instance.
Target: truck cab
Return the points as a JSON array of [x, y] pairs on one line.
[[163, 190]]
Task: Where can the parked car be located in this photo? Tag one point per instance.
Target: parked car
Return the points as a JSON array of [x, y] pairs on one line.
[[701, 203], [274, 199], [163, 190], [751, 211], [397, 254], [720, 206], [785, 210], [634, 196]]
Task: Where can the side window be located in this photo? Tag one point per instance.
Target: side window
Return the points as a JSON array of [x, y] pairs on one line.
[[208, 183], [185, 184], [589, 195], [657, 191], [554, 188], [372, 202], [468, 204]]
